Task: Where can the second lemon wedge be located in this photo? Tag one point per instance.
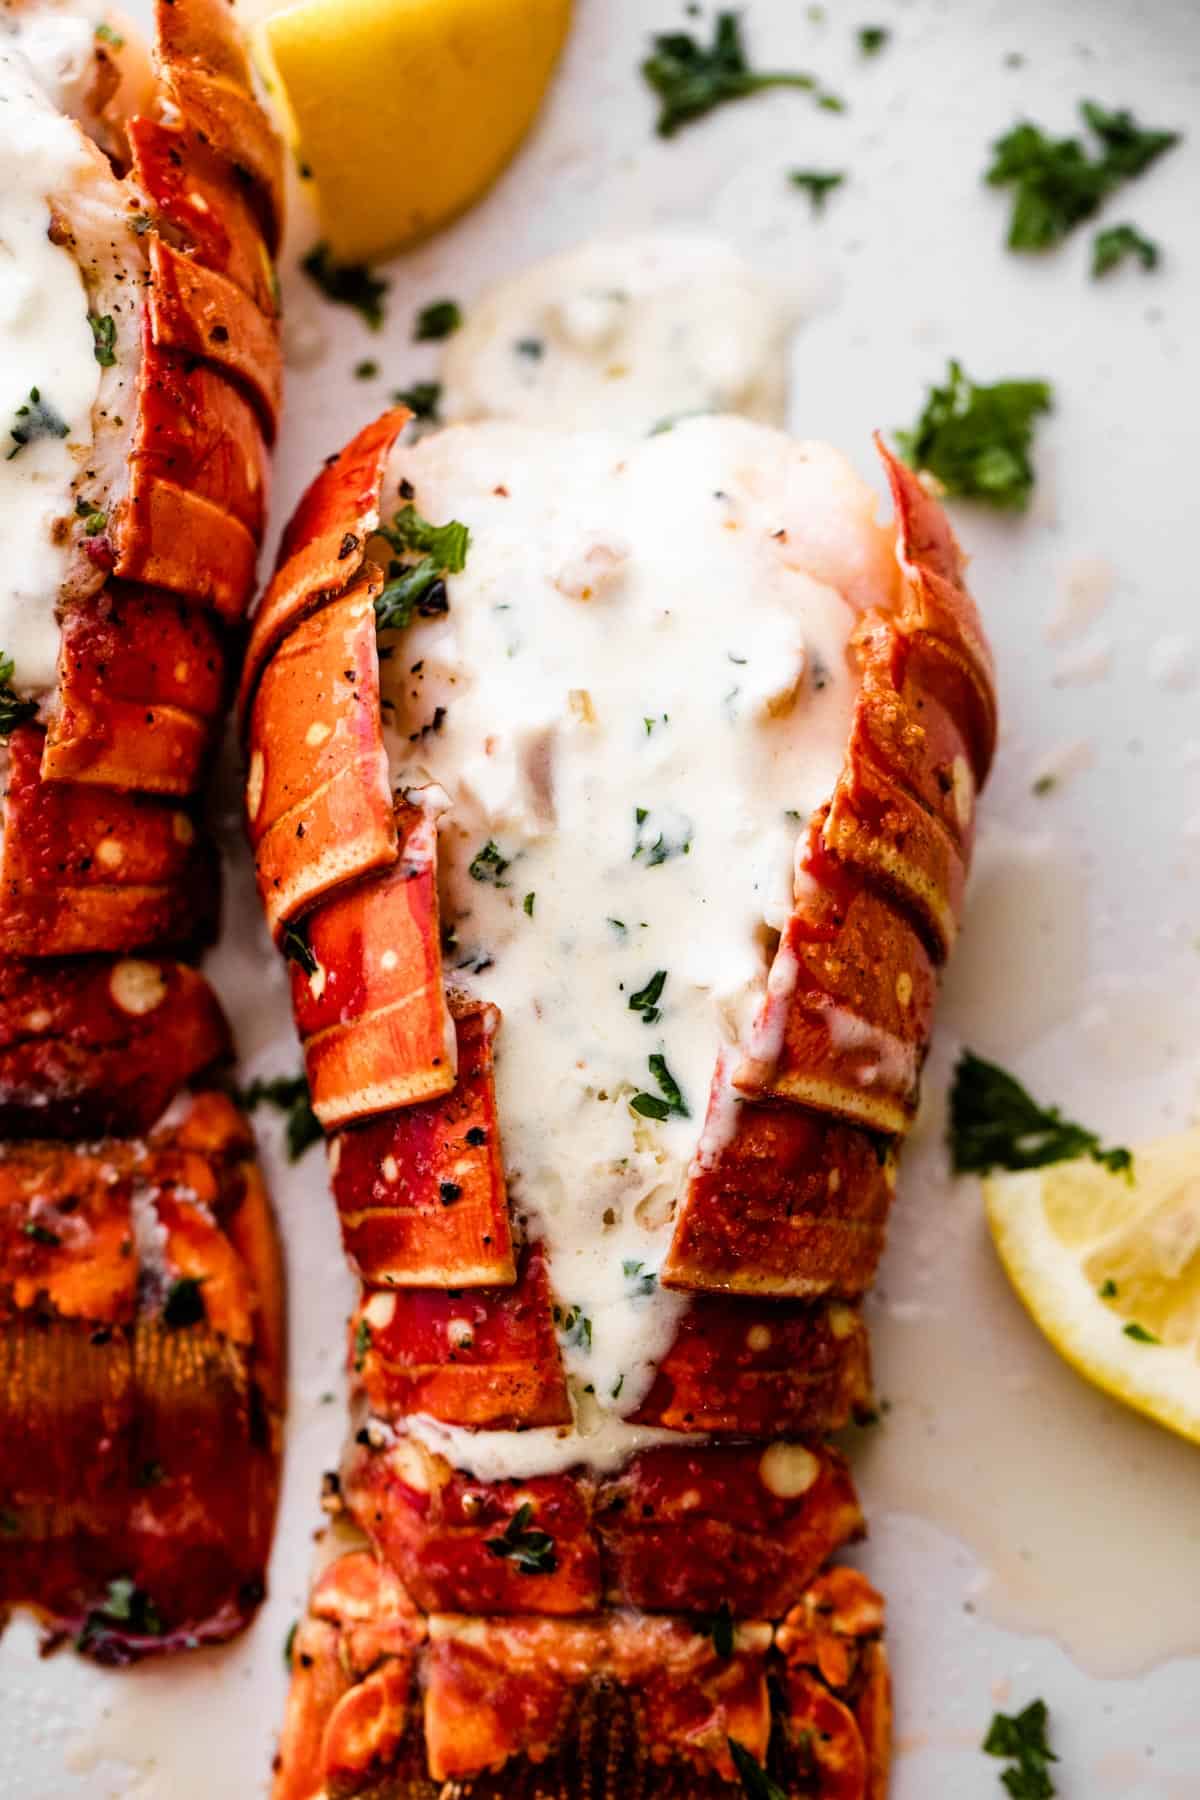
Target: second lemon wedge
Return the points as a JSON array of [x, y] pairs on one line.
[[405, 110], [1110, 1270]]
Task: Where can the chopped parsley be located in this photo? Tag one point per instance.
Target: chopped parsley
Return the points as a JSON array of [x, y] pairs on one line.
[[289, 1643], [104, 338], [419, 587], [290, 1094], [297, 949], [659, 837], [996, 1124], [1020, 1738], [618, 1384], [1045, 784], [440, 319], [719, 1627], [447, 544], [347, 284], [646, 1000], [13, 710], [1114, 245], [362, 1343], [650, 1105], [366, 370], [691, 78], [872, 39], [531, 1551], [489, 865], [756, 1783], [1108, 1289], [643, 1279], [532, 348], [1057, 184], [35, 418], [527, 905], [575, 1326], [40, 1234], [107, 35], [184, 1304], [976, 440], [411, 588], [124, 1604], [422, 399], [818, 184], [1139, 1334]]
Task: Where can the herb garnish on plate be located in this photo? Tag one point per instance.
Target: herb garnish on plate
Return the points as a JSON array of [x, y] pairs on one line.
[[976, 440], [995, 1123], [691, 78]]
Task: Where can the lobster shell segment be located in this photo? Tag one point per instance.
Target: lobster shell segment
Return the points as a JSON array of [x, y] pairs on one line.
[[620, 1706], [85, 868], [421, 1190], [97, 1047], [676, 1530], [486, 1358], [140, 1383], [372, 1014]]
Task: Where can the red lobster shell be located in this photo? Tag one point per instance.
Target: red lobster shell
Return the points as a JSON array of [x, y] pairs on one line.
[[141, 1332], [692, 1584]]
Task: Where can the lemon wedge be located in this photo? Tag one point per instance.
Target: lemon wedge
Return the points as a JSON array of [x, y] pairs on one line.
[[404, 111], [1110, 1271]]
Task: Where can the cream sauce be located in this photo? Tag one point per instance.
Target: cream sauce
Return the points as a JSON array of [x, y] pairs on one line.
[[46, 342], [623, 334], [641, 687]]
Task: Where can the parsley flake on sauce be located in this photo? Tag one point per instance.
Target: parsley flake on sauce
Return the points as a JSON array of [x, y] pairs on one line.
[[447, 544], [531, 1551], [818, 184], [1057, 184], [646, 1000], [347, 284], [660, 836], [1139, 1334], [756, 1783], [290, 1094], [419, 587], [362, 1343], [996, 1124], [422, 399], [650, 1105], [489, 865], [440, 319], [1020, 1738], [691, 78], [575, 1326], [644, 1280], [35, 418], [976, 440], [1116, 243], [13, 710]]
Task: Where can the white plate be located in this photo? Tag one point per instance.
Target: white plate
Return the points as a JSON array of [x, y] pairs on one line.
[[1010, 1506]]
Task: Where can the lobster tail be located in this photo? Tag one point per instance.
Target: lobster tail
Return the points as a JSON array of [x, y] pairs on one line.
[[562, 1594], [141, 1341]]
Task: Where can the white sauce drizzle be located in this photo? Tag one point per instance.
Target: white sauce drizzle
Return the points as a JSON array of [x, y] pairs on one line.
[[658, 625], [45, 339], [623, 334]]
